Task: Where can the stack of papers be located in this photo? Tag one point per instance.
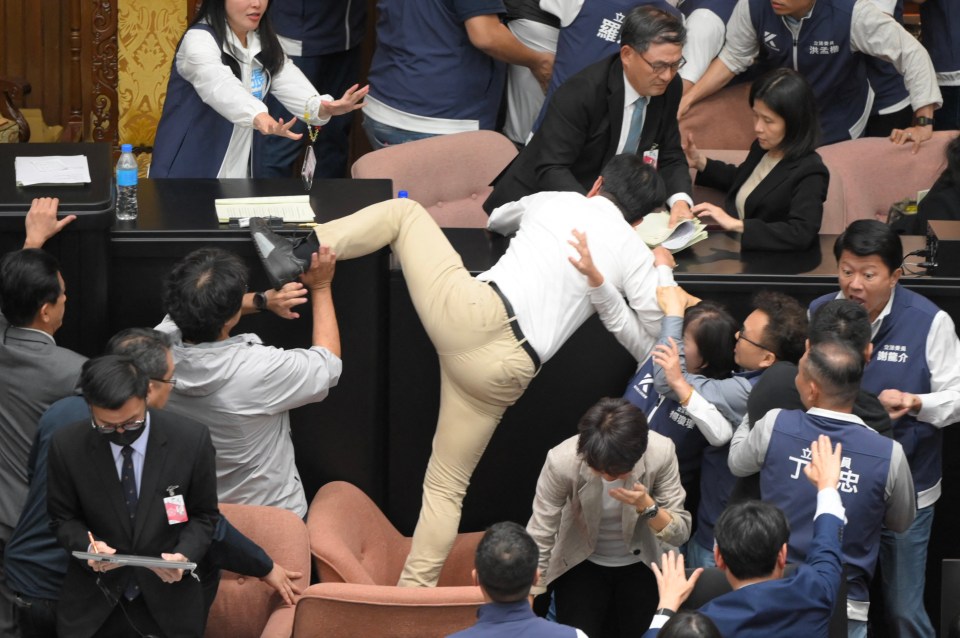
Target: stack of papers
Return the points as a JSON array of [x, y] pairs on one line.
[[294, 209], [654, 230], [52, 170]]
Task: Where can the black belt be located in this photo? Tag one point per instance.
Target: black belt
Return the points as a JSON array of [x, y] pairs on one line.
[[515, 326]]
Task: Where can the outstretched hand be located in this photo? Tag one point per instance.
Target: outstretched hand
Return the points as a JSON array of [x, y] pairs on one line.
[[41, 222], [824, 467], [695, 159], [672, 581], [351, 100], [584, 264], [322, 266], [281, 579], [282, 302], [264, 123]]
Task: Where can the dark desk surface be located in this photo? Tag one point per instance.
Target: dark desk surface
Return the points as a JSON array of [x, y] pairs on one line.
[[173, 208], [718, 259]]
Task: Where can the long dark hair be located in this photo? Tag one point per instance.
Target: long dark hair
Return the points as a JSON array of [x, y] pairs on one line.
[[788, 94], [214, 13]]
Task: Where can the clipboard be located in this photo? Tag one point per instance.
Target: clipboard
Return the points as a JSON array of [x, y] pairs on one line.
[[136, 561]]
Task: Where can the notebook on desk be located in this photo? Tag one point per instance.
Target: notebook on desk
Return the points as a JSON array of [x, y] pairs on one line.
[[293, 209]]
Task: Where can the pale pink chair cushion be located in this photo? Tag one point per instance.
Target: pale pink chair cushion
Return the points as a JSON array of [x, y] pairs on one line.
[[876, 173], [449, 175]]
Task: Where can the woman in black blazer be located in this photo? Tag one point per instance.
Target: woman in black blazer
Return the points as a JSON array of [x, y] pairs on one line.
[[775, 198]]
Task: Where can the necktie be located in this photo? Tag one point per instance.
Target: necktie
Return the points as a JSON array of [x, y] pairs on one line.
[[128, 481], [636, 125]]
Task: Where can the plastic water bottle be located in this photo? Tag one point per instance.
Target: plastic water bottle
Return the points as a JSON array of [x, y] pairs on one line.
[[127, 184], [403, 195]]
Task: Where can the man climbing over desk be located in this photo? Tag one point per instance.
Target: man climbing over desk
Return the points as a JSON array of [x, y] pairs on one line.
[[492, 332]]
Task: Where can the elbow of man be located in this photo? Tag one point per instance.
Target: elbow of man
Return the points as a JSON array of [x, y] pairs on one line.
[[483, 34]]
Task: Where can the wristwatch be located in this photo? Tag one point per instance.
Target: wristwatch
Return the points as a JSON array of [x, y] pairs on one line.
[[650, 512], [923, 120], [260, 301], [663, 611]]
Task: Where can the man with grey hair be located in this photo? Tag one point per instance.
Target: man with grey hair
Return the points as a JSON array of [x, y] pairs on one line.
[[626, 103]]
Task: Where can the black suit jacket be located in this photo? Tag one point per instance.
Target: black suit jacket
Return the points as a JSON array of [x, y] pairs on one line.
[[580, 134], [84, 493], [784, 210]]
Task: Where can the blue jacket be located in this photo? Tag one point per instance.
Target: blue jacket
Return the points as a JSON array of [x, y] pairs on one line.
[[798, 606], [329, 26], [513, 620], [899, 361]]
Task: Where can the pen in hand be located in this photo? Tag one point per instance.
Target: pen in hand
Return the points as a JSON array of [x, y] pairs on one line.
[[93, 543]]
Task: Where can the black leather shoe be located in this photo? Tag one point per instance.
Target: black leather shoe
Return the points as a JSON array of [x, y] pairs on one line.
[[276, 254]]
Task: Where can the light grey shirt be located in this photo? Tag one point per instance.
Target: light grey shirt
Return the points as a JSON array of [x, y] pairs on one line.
[[243, 391]]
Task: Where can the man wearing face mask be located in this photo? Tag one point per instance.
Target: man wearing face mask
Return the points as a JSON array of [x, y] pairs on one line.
[[130, 481], [34, 562]]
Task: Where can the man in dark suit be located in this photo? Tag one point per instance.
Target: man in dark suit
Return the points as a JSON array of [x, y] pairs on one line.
[[624, 104], [131, 481], [752, 550]]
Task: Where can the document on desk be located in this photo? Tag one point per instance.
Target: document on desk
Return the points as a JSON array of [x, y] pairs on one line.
[[655, 231], [292, 208], [52, 170]]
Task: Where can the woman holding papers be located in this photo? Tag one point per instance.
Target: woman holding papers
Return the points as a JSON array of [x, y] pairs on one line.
[[775, 198], [226, 63]]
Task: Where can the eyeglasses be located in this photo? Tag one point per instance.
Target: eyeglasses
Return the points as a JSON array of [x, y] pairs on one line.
[[172, 381], [659, 67], [740, 337], [109, 428]]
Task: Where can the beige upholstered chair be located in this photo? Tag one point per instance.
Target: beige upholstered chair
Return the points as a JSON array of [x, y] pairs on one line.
[[246, 607], [448, 174], [359, 555]]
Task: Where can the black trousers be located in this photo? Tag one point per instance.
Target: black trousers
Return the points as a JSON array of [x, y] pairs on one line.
[[36, 617], [130, 619], [607, 602]]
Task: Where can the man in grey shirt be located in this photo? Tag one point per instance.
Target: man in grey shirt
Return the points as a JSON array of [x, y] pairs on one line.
[[242, 389]]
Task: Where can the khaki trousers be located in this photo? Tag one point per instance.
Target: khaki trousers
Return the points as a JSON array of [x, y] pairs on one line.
[[483, 368]]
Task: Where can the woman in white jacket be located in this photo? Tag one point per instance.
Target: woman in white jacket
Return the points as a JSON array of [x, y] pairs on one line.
[[226, 63]]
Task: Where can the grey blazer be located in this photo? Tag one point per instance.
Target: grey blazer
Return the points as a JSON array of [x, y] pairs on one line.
[[569, 502], [34, 372]]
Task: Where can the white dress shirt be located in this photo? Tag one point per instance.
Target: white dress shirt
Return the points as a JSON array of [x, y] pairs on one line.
[[549, 295]]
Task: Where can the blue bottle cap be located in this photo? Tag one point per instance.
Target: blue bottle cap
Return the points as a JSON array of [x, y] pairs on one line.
[[126, 148], [403, 194]]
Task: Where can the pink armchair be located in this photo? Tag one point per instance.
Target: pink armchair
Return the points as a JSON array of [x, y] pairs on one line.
[[246, 607]]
